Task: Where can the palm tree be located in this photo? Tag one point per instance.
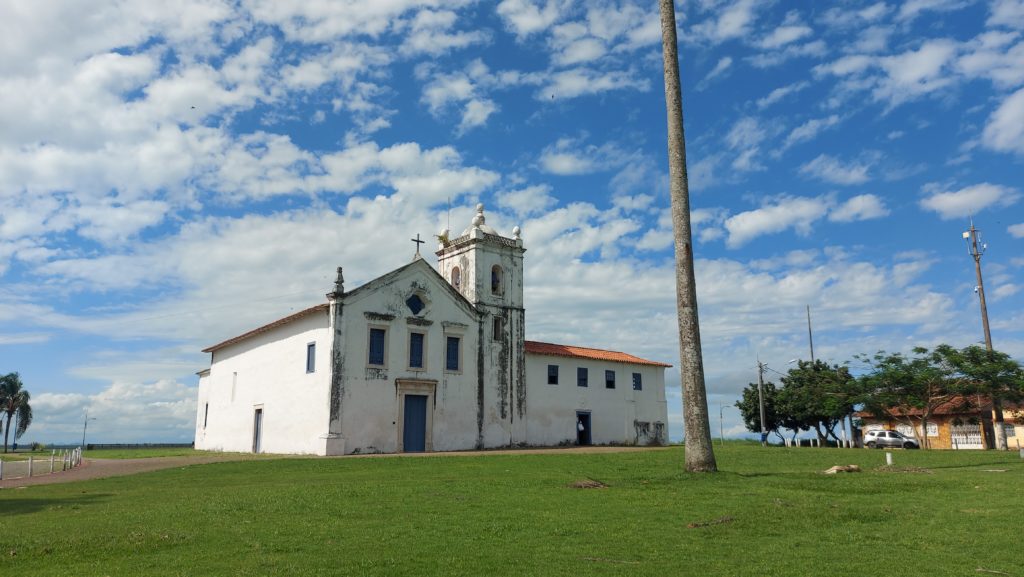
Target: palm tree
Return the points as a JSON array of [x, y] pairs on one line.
[[700, 457], [14, 401]]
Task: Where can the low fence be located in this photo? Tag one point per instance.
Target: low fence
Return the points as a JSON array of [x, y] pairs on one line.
[[34, 466]]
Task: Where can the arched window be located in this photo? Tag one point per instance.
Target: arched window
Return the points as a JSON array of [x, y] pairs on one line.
[[457, 278], [496, 279]]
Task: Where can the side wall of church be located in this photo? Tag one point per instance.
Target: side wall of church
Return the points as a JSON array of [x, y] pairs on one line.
[[268, 372], [373, 395], [619, 415]]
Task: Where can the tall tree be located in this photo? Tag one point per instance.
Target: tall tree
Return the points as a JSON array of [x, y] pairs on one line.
[[14, 400], [750, 409], [816, 395], [912, 389], [700, 456]]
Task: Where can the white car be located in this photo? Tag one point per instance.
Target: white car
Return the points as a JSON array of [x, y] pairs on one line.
[[889, 439]]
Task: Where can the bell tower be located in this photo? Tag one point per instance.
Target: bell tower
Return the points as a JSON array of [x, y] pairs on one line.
[[487, 269]]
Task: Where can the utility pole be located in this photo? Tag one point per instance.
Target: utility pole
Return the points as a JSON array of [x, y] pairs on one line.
[[85, 425], [760, 400], [972, 237], [810, 335]]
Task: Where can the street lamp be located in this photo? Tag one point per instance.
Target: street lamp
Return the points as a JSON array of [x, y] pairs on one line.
[[85, 425]]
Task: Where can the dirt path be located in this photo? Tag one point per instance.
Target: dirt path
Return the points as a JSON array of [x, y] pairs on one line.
[[100, 468]]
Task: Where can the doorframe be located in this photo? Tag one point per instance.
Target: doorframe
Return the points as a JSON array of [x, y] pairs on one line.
[[257, 431], [423, 387], [589, 428]]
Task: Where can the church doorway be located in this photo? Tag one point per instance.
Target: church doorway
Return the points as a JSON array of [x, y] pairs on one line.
[[415, 415], [257, 430], [583, 428], [414, 429]]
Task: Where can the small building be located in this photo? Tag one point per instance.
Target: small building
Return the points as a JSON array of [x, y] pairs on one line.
[[958, 424], [424, 359]]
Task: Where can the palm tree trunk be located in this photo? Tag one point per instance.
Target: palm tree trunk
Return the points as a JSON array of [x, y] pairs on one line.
[[700, 456]]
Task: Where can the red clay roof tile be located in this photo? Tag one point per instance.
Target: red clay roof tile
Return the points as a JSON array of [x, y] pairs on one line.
[[539, 348]]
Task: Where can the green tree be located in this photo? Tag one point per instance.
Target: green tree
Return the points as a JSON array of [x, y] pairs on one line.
[[912, 389], [818, 396], [14, 400], [750, 409]]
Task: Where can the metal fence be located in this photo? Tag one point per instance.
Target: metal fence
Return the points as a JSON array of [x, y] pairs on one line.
[[36, 465]]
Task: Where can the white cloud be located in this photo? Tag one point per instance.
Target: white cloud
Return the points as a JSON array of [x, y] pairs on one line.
[[726, 23], [1008, 13], [810, 130], [431, 33], [526, 201], [569, 156], [776, 216], [526, 17], [1004, 130], [1016, 230], [913, 8], [969, 200], [780, 93], [788, 32], [720, 68], [860, 207], [829, 169]]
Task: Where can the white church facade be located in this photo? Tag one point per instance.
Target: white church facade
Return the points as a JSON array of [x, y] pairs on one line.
[[424, 359]]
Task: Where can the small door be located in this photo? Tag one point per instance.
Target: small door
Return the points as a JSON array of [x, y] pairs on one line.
[[257, 431], [414, 426], [583, 428]]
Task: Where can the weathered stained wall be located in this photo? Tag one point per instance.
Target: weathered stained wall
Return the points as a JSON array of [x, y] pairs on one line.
[[371, 399], [268, 371], [618, 416]]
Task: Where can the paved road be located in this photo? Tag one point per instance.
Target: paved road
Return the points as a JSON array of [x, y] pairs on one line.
[[99, 468]]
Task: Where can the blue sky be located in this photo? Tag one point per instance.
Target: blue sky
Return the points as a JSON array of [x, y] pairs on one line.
[[173, 175]]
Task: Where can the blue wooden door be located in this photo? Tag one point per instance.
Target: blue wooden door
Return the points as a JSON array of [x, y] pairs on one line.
[[414, 427]]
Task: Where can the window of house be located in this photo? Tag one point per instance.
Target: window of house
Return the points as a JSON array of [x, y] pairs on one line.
[[609, 379], [581, 376], [552, 374], [310, 357], [457, 278], [417, 342], [1009, 429], [638, 384], [378, 346], [496, 280], [452, 353], [933, 429], [498, 329]]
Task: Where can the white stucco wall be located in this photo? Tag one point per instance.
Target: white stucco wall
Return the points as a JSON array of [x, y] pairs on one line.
[[372, 398], [268, 371], [615, 413]]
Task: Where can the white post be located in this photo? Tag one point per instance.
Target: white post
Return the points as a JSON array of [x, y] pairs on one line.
[[1, 470], [52, 455], [888, 458]]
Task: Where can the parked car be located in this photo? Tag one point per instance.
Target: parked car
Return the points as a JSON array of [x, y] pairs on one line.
[[889, 439]]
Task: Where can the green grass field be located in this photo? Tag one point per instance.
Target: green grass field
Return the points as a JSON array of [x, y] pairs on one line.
[[768, 512]]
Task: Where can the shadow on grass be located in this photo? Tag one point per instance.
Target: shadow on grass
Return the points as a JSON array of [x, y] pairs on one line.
[[27, 506]]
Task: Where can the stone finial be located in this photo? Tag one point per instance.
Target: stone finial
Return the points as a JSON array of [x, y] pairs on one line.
[[479, 218], [516, 232], [339, 283]]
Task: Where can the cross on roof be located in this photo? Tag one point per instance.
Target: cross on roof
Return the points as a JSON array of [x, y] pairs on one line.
[[418, 243]]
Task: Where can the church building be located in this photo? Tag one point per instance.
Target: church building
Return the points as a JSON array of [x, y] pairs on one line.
[[424, 359]]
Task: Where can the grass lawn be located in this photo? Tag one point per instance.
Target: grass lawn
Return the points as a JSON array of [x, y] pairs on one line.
[[768, 512]]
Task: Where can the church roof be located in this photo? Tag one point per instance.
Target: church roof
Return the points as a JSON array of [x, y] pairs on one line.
[[265, 328], [539, 348]]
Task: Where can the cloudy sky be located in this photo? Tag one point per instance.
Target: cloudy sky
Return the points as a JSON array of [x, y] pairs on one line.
[[173, 174]]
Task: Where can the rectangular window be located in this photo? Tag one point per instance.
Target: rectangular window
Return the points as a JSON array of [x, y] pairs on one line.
[[378, 342], [581, 376], [416, 345], [552, 374], [609, 379], [311, 357], [498, 327], [451, 354], [638, 383], [1009, 429]]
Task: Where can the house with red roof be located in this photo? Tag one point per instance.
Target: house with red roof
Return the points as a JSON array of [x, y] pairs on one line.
[[424, 359]]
